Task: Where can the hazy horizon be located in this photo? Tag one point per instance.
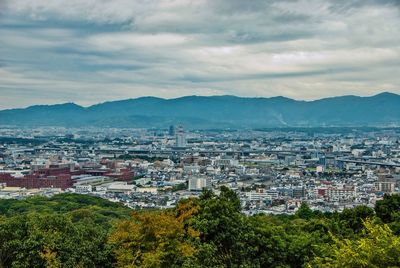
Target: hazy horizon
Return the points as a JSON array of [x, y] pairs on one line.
[[172, 98], [93, 51]]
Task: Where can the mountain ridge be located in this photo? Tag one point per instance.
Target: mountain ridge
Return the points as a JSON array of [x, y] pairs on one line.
[[224, 111]]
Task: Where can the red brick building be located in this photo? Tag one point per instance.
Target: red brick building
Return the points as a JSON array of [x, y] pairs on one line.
[[56, 177], [62, 181]]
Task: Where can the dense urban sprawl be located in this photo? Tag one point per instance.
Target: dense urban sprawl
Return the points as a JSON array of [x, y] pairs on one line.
[[272, 171]]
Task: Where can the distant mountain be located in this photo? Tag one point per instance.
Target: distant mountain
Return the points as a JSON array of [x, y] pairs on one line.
[[215, 112]]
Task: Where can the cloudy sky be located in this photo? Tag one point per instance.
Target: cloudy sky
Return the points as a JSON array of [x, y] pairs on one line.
[[89, 51]]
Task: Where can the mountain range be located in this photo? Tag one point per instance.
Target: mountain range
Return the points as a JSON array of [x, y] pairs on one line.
[[215, 112]]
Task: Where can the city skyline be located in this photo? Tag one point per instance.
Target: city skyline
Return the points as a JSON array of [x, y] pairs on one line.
[[90, 51]]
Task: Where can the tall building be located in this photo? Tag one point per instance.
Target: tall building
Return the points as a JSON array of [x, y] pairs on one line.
[[171, 130], [180, 137], [199, 183]]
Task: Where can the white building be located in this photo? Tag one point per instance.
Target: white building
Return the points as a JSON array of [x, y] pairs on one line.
[[150, 190], [121, 187], [386, 186], [320, 169], [82, 189], [180, 137], [341, 193], [199, 183], [257, 195]]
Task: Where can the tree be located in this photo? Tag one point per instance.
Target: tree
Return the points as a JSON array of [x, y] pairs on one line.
[[304, 211], [152, 239], [388, 209], [52, 240], [354, 218], [378, 247], [226, 234], [67, 230]]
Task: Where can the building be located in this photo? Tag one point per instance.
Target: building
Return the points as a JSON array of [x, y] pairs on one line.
[[180, 137], [258, 195], [121, 187], [226, 161], [272, 194], [341, 193], [171, 130], [320, 169], [62, 181], [298, 192], [385, 185], [82, 189], [261, 194], [199, 183]]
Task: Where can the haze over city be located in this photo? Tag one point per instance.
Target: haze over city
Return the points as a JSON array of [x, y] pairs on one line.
[[93, 51]]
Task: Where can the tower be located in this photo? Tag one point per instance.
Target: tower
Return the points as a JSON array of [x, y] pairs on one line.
[[171, 131], [180, 137]]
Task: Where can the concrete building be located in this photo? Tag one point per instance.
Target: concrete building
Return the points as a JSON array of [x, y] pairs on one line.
[[199, 183], [257, 195], [341, 193], [385, 185], [82, 189], [180, 137], [171, 130]]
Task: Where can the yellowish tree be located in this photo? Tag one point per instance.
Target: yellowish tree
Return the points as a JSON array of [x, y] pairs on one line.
[[152, 239], [377, 247]]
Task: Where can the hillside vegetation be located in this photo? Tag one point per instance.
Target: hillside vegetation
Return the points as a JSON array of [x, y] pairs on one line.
[[70, 230]]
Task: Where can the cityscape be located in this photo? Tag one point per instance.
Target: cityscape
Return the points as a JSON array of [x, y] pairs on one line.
[[199, 134], [271, 171]]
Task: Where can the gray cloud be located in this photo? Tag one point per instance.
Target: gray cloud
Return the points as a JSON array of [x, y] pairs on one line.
[[90, 51]]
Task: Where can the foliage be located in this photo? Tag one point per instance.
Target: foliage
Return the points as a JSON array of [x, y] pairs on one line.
[[52, 240], [61, 203], [353, 218], [388, 209], [179, 187], [152, 239], [66, 230], [72, 230], [304, 211], [379, 247]]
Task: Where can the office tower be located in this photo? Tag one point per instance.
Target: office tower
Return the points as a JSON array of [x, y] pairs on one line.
[[180, 137], [171, 130]]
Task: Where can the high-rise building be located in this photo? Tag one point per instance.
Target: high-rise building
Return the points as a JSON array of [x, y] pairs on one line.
[[171, 130], [180, 137], [199, 183]]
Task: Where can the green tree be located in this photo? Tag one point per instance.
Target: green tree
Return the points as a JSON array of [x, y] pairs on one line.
[[388, 209], [52, 240], [378, 247], [224, 231], [304, 211], [354, 218]]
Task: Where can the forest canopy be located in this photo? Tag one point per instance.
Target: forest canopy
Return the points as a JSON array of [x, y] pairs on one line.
[[70, 230]]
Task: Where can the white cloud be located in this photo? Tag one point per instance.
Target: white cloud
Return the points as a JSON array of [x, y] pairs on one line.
[[94, 50], [123, 41]]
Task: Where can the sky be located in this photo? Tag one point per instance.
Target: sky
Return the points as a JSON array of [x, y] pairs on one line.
[[91, 51]]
